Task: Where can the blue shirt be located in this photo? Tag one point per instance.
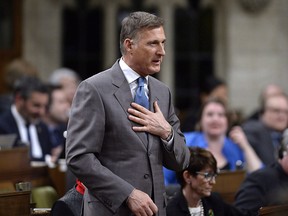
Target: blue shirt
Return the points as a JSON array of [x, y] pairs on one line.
[[231, 151]]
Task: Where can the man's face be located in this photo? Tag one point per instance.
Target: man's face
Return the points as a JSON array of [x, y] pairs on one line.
[[145, 53], [59, 107], [275, 115], [33, 108], [69, 85]]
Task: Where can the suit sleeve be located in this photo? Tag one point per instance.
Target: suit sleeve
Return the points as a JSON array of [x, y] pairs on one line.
[[176, 159]]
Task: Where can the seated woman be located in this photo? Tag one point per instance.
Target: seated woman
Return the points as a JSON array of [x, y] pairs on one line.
[[197, 180], [232, 152]]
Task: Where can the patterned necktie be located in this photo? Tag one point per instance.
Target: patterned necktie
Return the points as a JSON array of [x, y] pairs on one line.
[[140, 96]]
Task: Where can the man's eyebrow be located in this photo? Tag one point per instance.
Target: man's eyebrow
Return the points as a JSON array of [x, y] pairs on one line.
[[157, 41]]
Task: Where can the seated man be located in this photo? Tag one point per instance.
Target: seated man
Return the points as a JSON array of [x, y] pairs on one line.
[[24, 118], [267, 91], [56, 119], [265, 134], [267, 186]]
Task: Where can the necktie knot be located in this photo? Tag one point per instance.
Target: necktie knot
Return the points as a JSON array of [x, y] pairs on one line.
[[141, 81]]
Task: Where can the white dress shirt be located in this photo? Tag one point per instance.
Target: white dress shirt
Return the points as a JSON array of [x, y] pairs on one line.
[[131, 77], [36, 150]]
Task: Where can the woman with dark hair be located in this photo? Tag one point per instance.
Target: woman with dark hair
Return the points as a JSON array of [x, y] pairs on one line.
[[195, 197]]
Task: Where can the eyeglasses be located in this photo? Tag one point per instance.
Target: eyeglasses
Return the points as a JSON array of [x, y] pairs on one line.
[[277, 111], [207, 176]]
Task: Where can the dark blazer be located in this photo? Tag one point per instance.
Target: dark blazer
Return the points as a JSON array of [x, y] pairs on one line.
[[109, 157], [267, 186], [8, 125], [213, 206], [259, 137]]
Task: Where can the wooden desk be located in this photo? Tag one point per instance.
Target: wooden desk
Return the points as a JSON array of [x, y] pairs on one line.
[[228, 183], [15, 203], [15, 167], [279, 210]]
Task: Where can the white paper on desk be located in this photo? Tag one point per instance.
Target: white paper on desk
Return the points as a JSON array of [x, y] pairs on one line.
[[7, 141]]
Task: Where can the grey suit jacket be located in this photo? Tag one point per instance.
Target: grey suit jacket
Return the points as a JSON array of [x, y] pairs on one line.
[[110, 158]]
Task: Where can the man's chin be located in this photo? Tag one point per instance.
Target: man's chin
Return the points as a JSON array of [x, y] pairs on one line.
[[207, 193], [155, 71]]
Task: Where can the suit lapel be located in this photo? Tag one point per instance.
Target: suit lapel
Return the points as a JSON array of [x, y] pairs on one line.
[[124, 97], [152, 98], [152, 92]]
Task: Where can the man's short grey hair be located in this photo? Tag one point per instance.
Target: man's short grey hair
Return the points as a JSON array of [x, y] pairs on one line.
[[135, 22]]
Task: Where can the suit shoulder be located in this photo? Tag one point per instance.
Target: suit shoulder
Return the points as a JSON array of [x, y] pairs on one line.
[[7, 120], [158, 82], [266, 173], [252, 124]]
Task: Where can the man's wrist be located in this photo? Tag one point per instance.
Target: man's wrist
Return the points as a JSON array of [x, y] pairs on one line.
[[170, 135]]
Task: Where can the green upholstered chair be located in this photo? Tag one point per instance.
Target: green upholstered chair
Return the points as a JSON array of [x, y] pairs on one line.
[[44, 196]]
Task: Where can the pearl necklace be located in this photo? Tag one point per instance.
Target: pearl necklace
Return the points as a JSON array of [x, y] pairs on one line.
[[198, 211]]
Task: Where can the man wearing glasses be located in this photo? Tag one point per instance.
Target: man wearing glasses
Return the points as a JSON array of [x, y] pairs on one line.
[[265, 134], [267, 186]]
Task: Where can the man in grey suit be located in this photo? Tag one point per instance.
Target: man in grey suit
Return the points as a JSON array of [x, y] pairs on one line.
[[116, 147]]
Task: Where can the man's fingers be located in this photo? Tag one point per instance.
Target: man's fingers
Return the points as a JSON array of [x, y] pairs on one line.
[[153, 208], [149, 212], [141, 204], [139, 108], [156, 107], [136, 112]]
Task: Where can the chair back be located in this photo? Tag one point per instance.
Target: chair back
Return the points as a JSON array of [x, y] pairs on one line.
[[228, 183]]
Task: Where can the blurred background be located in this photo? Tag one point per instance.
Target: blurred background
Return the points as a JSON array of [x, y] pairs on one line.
[[242, 42]]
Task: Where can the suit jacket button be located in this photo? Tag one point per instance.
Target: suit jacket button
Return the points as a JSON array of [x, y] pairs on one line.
[[146, 176]]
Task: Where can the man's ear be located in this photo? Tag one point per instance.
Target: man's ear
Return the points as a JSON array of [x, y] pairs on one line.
[[18, 98], [128, 43]]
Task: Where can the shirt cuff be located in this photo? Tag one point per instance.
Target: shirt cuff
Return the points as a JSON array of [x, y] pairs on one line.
[[169, 142]]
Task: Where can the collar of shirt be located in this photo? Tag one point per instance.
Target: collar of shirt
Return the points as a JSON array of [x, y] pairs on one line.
[[131, 77], [19, 119], [21, 123]]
